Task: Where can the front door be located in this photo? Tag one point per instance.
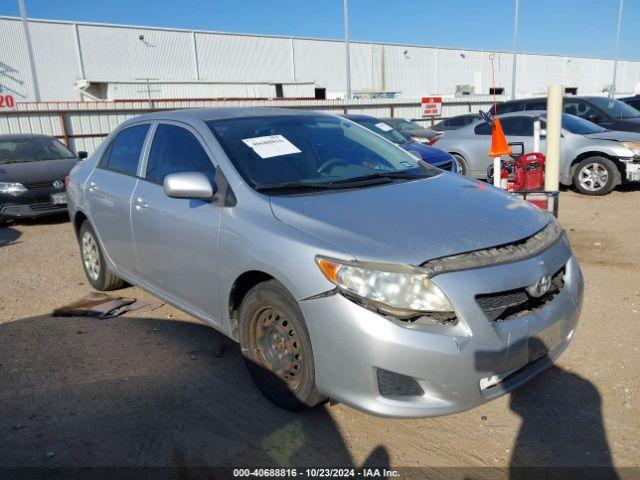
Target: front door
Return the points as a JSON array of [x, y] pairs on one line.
[[109, 189], [176, 239]]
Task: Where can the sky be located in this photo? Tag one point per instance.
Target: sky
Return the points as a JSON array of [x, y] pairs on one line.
[[572, 27]]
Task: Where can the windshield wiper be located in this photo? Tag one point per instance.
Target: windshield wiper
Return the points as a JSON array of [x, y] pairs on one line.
[[295, 186], [377, 176]]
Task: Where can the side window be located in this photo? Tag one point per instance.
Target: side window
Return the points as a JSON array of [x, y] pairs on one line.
[[537, 105], [174, 150], [511, 107], [518, 126], [123, 154], [579, 109], [482, 129]]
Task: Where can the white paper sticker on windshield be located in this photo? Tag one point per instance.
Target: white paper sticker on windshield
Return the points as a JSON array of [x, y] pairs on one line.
[[383, 126], [271, 146]]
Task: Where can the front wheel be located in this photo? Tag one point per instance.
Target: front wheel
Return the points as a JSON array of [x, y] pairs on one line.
[[276, 347], [596, 176]]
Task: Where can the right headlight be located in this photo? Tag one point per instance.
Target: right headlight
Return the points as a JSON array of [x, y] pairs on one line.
[[10, 188], [633, 146], [399, 290]]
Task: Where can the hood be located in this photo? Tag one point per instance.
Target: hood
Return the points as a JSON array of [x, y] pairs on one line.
[[26, 172], [431, 155], [615, 135], [412, 222]]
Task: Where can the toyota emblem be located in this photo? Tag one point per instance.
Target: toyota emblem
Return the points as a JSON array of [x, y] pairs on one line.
[[59, 184], [540, 287]]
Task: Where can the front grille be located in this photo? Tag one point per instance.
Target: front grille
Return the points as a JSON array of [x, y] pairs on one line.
[[41, 185], [510, 304], [43, 207]]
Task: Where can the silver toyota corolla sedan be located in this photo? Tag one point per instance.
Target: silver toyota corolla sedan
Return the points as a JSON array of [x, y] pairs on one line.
[[592, 159], [344, 267]]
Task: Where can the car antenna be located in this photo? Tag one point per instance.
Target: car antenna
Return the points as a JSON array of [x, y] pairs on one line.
[[492, 57]]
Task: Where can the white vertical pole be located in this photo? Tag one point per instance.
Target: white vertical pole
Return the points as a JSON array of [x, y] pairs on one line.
[[32, 64], [515, 52], [293, 60], [196, 65], [615, 55], [497, 172], [536, 135], [554, 131], [346, 47]]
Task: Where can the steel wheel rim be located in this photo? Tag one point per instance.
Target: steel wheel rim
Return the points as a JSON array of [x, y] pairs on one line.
[[90, 256], [277, 345], [593, 177]]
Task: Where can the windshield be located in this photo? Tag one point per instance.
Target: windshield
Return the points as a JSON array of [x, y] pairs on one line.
[[615, 108], [579, 125], [310, 150], [32, 150], [383, 129]]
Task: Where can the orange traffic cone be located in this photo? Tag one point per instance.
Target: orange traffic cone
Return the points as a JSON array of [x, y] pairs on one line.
[[499, 145]]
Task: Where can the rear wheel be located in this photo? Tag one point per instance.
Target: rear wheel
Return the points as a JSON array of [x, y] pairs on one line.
[[276, 347], [596, 176], [95, 268]]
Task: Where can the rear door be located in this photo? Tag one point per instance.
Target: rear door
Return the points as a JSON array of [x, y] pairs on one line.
[[109, 189], [176, 239]]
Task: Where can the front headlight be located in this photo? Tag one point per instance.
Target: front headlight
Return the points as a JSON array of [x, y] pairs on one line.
[[400, 290], [633, 146], [9, 188]]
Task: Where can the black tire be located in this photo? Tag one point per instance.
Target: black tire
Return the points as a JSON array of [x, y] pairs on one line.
[[462, 163], [95, 268], [276, 347], [596, 176]]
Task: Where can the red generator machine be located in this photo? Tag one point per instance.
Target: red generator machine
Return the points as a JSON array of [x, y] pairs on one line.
[[523, 175]]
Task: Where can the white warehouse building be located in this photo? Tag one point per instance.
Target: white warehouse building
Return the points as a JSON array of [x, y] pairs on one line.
[[77, 61]]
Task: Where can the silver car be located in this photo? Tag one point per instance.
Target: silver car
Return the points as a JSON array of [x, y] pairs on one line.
[[343, 266], [593, 160]]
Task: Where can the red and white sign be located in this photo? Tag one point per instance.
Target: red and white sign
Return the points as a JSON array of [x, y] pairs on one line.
[[7, 102], [431, 106]]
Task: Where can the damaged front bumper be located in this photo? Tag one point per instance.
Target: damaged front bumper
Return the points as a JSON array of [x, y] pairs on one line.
[[399, 369]]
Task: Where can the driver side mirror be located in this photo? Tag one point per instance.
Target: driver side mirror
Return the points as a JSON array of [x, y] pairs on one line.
[[194, 185], [487, 117], [82, 154]]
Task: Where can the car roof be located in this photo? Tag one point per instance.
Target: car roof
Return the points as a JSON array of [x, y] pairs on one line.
[[206, 114], [23, 136]]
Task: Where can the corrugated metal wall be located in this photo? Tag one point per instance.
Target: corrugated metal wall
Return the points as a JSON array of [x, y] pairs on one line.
[[115, 53], [83, 125]]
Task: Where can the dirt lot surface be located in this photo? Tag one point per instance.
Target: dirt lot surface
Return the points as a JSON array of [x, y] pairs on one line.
[[160, 389]]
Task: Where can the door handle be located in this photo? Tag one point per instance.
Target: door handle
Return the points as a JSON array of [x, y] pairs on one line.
[[93, 186], [140, 203]]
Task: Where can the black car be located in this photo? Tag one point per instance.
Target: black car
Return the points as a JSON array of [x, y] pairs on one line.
[[609, 113], [633, 101], [453, 123], [32, 172]]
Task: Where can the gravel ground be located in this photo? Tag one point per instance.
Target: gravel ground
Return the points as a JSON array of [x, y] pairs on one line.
[[160, 389]]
